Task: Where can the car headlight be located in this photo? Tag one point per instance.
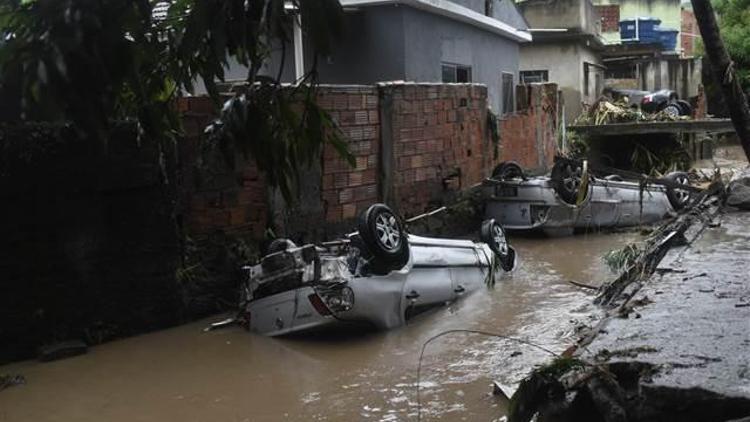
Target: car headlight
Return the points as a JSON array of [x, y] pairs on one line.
[[539, 213], [338, 299]]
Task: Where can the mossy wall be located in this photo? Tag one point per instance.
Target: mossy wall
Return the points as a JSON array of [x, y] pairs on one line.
[[88, 235]]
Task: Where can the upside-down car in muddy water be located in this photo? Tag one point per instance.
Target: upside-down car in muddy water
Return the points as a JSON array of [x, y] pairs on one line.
[[380, 275], [570, 198]]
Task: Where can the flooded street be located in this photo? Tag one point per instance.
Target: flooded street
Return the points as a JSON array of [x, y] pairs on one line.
[[729, 157], [230, 375], [302, 165]]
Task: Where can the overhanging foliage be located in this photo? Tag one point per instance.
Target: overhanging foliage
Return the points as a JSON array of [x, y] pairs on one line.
[[734, 24], [90, 62]]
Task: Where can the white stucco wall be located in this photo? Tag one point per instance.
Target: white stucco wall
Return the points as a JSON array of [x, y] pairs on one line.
[[564, 63]]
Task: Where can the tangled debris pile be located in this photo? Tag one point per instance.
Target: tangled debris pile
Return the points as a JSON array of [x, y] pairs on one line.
[[640, 267], [7, 381], [605, 111]]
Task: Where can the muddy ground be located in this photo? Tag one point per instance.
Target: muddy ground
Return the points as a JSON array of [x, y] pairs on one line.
[[692, 319], [672, 344]]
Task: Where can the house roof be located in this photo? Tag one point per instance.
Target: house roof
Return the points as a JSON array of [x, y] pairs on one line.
[[453, 11], [512, 4]]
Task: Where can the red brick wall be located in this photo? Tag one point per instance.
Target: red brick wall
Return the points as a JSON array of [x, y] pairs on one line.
[[688, 33], [345, 190], [610, 17], [700, 106], [529, 136], [232, 201], [439, 140]]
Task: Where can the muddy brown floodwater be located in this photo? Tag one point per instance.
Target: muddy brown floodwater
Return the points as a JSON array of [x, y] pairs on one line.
[[183, 374]]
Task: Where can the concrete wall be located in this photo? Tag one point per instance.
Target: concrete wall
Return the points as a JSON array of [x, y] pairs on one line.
[[564, 61], [502, 10], [590, 94], [475, 5], [385, 43], [681, 75], [431, 40], [507, 11], [371, 50], [576, 15]]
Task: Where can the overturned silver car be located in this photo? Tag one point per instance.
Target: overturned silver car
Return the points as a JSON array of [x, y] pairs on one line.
[[380, 276], [571, 198]]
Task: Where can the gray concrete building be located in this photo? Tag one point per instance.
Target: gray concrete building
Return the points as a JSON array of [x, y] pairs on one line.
[[423, 41], [566, 50]]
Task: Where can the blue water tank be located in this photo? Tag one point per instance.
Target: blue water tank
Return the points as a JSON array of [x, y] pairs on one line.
[[668, 39], [647, 30]]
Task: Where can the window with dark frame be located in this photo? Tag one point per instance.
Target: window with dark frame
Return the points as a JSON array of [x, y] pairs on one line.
[[507, 84], [456, 73], [534, 76], [622, 71]]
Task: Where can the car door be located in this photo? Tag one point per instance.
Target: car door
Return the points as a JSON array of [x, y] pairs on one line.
[[639, 206], [470, 269], [605, 203], [429, 282]]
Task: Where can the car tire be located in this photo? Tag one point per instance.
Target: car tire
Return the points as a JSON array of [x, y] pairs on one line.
[[384, 237], [685, 108], [566, 179], [274, 261], [508, 170], [493, 234], [509, 263], [678, 198], [280, 244], [673, 109]]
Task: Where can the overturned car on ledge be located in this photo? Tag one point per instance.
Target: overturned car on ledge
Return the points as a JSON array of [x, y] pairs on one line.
[[571, 198], [380, 276]]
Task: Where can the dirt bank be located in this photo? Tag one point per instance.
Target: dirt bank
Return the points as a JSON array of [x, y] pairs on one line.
[[675, 346]]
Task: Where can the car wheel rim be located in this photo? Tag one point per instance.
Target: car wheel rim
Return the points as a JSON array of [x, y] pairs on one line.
[[572, 179], [499, 238], [387, 230], [682, 195]]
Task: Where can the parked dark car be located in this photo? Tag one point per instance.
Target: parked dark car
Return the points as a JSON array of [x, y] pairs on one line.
[[652, 102]]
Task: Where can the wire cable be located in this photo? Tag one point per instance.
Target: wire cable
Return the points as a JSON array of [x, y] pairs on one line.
[[466, 331]]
